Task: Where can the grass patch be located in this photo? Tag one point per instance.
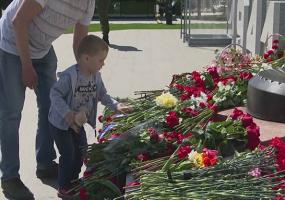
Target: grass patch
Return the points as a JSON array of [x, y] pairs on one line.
[[114, 27]]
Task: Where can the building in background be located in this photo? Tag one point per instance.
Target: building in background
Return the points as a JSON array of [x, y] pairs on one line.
[[258, 21]]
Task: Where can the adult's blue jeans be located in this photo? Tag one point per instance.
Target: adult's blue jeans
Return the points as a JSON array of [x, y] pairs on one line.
[[70, 146], [12, 97]]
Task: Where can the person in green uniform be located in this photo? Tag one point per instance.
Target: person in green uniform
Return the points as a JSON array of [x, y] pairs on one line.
[[3, 5], [103, 10]]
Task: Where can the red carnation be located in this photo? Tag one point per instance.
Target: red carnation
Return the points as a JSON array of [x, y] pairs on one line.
[[183, 151], [100, 119], [253, 136], [83, 194], [265, 56], [143, 157], [172, 119], [275, 46], [246, 120], [246, 75], [236, 114]]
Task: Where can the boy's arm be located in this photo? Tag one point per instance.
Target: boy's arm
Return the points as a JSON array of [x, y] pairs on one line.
[[57, 94], [105, 98]]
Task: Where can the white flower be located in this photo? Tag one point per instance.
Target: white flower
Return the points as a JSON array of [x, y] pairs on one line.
[[192, 156]]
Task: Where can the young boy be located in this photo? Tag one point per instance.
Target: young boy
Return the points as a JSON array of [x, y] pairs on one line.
[[74, 101]]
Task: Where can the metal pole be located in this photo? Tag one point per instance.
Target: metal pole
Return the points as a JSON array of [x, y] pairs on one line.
[[234, 22], [181, 17], [184, 20], [189, 22]]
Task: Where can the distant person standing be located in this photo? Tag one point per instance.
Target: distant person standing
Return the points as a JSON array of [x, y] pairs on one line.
[[3, 5], [103, 11]]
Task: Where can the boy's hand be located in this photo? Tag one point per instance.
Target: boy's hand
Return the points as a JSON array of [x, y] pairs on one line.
[[80, 118], [70, 119], [124, 108], [76, 128]]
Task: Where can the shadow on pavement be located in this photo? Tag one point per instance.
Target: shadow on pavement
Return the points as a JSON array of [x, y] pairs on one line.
[[124, 48]]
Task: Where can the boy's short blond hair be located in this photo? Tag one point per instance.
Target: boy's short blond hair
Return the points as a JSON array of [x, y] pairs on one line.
[[91, 45]]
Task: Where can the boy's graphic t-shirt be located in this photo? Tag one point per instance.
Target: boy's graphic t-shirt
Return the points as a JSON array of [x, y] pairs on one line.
[[84, 97]]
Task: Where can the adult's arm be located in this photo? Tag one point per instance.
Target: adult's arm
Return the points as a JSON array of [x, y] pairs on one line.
[[27, 11], [80, 31]]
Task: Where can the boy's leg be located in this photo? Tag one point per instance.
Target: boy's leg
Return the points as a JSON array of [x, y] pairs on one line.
[[12, 96], [45, 152], [80, 141], [65, 145]]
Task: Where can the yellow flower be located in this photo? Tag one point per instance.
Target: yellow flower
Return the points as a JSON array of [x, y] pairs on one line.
[[166, 100]]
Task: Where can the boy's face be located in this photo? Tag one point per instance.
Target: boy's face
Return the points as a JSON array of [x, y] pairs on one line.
[[95, 62]]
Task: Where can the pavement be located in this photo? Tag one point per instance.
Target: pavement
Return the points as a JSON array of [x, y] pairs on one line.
[[137, 60]]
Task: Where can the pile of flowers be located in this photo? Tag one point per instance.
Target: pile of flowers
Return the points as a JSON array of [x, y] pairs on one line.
[[174, 130]]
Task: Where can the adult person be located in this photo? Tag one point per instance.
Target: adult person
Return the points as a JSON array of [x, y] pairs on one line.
[[103, 11], [27, 59]]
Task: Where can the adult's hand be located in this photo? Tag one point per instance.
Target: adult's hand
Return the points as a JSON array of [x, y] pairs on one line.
[[27, 11], [29, 76]]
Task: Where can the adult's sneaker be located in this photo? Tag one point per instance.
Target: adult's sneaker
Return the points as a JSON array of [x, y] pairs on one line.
[[14, 188]]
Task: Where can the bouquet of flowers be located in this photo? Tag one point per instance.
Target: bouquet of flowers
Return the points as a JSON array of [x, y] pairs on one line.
[[247, 176]]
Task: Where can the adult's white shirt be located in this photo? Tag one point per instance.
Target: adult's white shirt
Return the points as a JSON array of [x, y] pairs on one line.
[[56, 17]]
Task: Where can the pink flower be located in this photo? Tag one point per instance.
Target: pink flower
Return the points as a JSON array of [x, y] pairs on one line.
[[210, 157], [132, 184], [114, 136], [255, 172]]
